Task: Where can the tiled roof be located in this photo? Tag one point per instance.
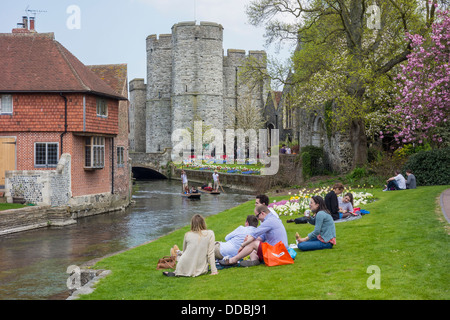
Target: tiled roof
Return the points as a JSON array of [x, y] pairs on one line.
[[36, 62], [115, 75]]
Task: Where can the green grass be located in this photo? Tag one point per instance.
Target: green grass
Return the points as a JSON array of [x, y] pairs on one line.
[[404, 235], [7, 206]]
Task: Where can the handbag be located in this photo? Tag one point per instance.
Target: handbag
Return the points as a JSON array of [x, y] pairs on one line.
[[166, 262], [276, 255]]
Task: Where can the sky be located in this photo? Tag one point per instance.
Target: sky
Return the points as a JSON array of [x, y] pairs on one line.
[[115, 31]]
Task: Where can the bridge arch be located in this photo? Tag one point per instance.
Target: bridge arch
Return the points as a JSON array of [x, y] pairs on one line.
[[141, 172]]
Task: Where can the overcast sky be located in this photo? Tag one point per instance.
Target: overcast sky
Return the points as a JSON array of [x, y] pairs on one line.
[[114, 31]]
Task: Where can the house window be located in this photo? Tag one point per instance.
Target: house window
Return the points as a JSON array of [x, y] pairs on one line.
[[6, 104], [102, 108], [94, 152], [46, 154], [120, 154]]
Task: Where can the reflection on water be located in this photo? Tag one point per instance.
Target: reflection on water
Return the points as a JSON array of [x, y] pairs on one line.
[[33, 264]]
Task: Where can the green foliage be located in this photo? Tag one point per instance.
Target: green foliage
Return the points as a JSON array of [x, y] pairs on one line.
[[410, 149], [312, 161], [430, 167], [306, 165], [357, 173], [374, 154]]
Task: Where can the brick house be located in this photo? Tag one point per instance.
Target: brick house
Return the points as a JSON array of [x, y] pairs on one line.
[[52, 107]]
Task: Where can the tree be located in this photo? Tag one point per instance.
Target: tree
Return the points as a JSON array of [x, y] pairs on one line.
[[424, 87], [348, 52]]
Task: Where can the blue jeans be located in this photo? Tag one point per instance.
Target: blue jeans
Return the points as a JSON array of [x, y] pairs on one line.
[[313, 244], [392, 185]]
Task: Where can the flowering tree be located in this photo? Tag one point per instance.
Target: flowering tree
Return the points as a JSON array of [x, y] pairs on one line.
[[424, 85]]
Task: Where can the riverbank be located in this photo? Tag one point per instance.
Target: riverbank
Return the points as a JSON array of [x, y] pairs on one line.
[[34, 263], [404, 236]]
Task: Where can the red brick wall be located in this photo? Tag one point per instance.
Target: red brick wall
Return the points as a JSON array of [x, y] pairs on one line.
[[89, 181], [40, 118], [45, 112], [84, 182]]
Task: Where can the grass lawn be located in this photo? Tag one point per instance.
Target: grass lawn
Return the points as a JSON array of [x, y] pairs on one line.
[[7, 206], [405, 236]]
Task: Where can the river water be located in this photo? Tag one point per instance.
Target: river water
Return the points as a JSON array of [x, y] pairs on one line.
[[33, 264]]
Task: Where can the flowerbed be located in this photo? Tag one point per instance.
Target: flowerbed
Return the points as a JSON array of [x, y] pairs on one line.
[[298, 203], [223, 168]]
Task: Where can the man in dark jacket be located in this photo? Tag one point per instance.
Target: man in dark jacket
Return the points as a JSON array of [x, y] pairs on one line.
[[331, 200]]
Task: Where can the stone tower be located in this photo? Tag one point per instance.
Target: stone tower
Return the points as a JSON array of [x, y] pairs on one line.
[[190, 79], [197, 74]]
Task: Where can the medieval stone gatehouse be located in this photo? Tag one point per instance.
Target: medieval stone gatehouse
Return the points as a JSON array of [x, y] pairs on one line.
[[189, 79]]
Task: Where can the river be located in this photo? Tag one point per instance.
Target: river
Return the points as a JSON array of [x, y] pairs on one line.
[[33, 264]]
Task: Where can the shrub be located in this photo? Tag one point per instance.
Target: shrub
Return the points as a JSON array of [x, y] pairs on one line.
[[430, 167], [306, 165], [357, 174], [312, 161]]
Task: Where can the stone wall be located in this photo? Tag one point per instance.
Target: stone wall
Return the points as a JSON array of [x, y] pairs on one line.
[[33, 217], [41, 187], [289, 174], [137, 115]]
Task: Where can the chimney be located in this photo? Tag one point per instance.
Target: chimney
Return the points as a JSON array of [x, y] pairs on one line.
[[25, 22], [32, 24]]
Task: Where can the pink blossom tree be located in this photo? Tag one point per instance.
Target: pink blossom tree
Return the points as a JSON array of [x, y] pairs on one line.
[[423, 104]]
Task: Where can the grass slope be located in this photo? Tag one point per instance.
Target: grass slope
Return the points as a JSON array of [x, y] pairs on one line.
[[404, 235]]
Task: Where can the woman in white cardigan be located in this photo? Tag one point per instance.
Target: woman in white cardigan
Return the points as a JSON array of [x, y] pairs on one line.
[[198, 251]]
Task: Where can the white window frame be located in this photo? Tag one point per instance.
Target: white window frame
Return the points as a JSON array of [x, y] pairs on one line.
[[102, 108], [2, 104], [94, 151]]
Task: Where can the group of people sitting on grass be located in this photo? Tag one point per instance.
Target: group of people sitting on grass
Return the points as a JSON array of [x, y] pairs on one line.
[[200, 250], [398, 182]]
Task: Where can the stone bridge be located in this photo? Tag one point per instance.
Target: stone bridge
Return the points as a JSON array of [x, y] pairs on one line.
[[151, 165]]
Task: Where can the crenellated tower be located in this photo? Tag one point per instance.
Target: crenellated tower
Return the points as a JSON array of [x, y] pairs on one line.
[[190, 79]]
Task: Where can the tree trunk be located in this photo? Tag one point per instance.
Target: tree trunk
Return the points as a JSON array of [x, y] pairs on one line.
[[359, 143]]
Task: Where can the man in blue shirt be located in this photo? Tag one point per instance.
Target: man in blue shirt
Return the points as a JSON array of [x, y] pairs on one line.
[[234, 239], [271, 230]]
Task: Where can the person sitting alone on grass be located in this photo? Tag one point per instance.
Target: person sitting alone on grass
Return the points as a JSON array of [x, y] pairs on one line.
[[234, 239], [345, 205], [271, 230], [324, 234], [198, 251]]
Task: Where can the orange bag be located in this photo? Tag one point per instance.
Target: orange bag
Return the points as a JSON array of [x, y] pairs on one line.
[[276, 255]]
